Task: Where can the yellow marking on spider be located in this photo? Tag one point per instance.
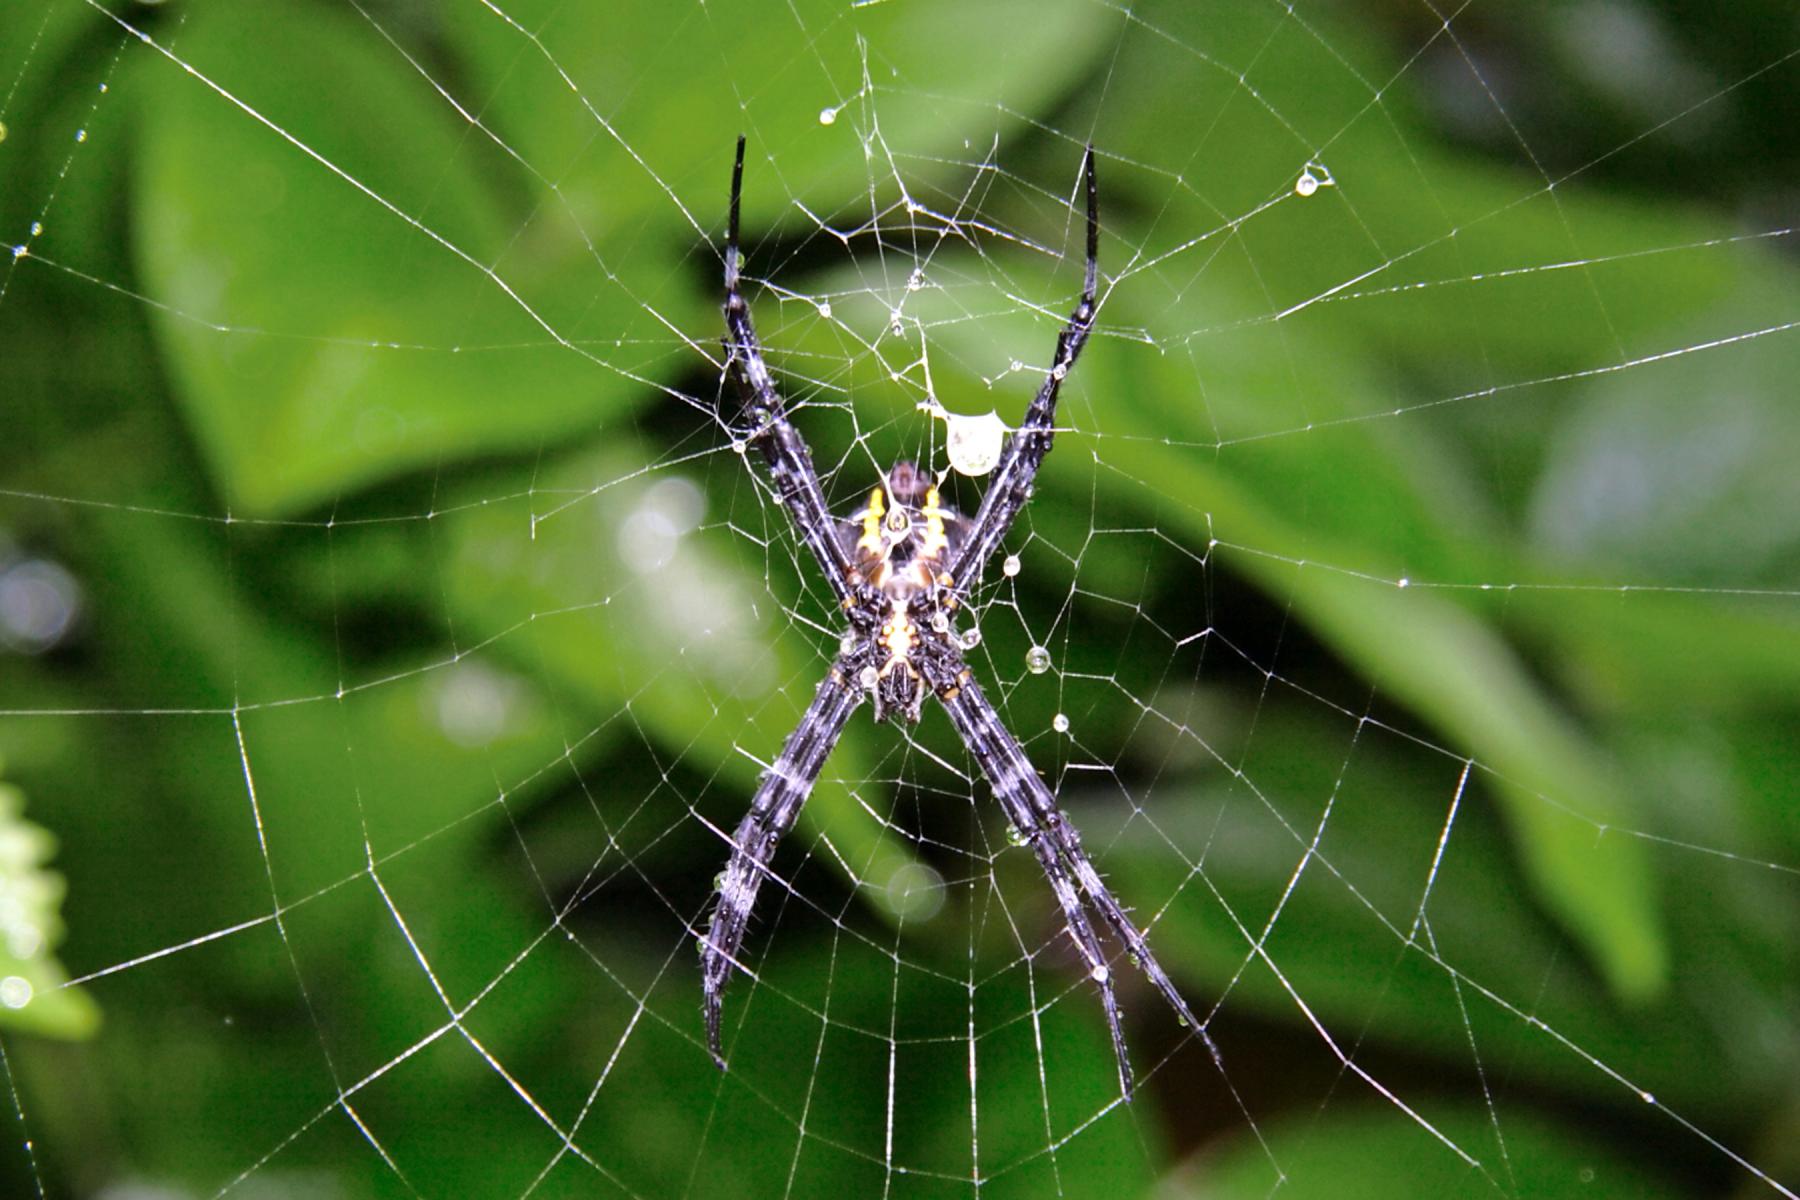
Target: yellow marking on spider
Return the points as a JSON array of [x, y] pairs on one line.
[[935, 537], [871, 534], [897, 637]]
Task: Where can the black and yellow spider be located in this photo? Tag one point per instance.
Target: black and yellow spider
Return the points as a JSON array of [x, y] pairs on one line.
[[900, 568]]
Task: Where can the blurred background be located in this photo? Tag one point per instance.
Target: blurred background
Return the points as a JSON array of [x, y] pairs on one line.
[[390, 636]]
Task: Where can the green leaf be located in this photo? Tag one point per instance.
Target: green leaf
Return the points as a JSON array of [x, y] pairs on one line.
[[35, 996], [332, 323], [1349, 1151], [627, 117]]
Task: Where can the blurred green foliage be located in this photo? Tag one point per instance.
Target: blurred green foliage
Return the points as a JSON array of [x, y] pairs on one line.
[[362, 347]]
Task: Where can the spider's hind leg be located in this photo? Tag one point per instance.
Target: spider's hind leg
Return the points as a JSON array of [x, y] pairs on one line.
[[784, 788], [1033, 812]]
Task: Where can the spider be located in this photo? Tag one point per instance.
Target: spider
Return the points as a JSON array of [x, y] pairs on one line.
[[899, 568]]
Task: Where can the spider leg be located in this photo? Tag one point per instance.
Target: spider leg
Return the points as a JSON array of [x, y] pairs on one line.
[[1032, 810], [784, 788], [1024, 453], [780, 444]]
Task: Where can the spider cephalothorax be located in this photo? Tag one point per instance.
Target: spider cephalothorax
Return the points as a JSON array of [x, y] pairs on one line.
[[900, 567]]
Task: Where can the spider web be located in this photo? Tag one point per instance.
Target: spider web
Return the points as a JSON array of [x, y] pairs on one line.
[[395, 629]]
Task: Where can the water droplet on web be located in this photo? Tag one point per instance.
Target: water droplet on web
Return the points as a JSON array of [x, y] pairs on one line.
[[825, 309], [1009, 566], [1037, 660], [846, 644], [1313, 177], [1060, 722], [719, 882], [1101, 974], [971, 637], [739, 445], [2, 131], [1015, 835], [828, 116], [940, 622], [916, 280], [1403, 582], [37, 227], [869, 677], [15, 991], [81, 135]]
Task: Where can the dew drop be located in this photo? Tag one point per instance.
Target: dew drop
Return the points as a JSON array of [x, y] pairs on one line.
[[2, 131], [1313, 176], [1060, 722], [825, 309], [719, 882], [869, 677], [1101, 974], [739, 445], [940, 622], [1009, 566], [846, 644], [1404, 582], [37, 227], [15, 991], [971, 637], [1015, 835], [81, 135], [828, 116], [1037, 660]]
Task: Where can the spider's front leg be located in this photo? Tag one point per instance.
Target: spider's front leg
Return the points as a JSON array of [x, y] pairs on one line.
[[773, 810], [782, 448], [1025, 452]]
